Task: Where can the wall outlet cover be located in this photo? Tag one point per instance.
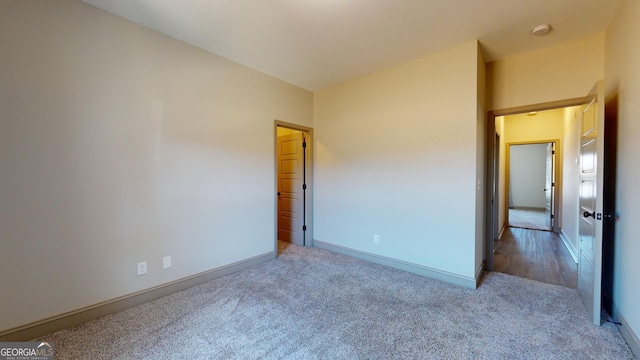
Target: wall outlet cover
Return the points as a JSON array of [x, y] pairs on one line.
[[142, 268]]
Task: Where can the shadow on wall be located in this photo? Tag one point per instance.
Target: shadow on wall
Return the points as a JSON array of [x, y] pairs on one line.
[[609, 196]]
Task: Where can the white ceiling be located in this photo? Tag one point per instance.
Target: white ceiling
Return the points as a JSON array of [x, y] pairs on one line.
[[318, 43]]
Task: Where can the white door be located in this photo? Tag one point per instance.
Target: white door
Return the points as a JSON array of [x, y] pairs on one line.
[[549, 186], [290, 188], [591, 191]]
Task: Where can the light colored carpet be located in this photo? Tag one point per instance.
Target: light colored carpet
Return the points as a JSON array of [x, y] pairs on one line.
[[528, 219], [314, 304]]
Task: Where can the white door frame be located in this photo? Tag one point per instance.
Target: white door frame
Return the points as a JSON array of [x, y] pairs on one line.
[[308, 193]]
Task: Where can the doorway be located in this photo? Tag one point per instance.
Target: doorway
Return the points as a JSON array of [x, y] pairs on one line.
[[293, 169], [531, 179], [584, 236], [530, 246], [538, 251]]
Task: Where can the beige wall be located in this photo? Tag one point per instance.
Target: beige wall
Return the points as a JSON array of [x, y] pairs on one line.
[[565, 71], [481, 143], [120, 145], [571, 177], [622, 77], [396, 156]]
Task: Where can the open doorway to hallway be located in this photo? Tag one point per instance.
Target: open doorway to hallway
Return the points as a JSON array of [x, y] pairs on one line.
[[584, 206], [537, 184], [293, 167]]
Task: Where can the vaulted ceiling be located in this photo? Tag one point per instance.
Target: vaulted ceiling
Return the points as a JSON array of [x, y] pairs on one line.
[[318, 43]]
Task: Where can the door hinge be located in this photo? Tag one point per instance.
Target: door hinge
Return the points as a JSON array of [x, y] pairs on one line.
[[553, 152], [552, 216], [304, 227], [304, 144], [553, 184], [304, 186]]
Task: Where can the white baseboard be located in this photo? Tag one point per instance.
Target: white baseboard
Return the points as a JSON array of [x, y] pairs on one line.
[[79, 316], [404, 266], [627, 333], [527, 208], [569, 246]]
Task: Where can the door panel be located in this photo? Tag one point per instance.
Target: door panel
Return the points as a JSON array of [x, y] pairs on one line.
[[585, 271], [289, 185], [289, 146], [289, 167], [290, 194], [591, 192], [589, 119], [588, 155]]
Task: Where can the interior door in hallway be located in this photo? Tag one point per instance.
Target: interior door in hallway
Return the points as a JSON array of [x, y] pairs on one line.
[[290, 188], [591, 200]]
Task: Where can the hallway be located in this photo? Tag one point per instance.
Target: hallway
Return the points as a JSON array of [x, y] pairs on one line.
[[535, 255]]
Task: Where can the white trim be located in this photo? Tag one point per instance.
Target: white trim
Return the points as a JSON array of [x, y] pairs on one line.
[[79, 316], [452, 278], [627, 333], [501, 232], [569, 246]]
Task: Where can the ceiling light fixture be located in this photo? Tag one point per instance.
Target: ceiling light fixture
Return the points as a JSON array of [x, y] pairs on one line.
[[541, 30]]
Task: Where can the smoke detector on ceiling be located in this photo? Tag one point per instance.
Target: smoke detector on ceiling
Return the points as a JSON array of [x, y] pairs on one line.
[[541, 30]]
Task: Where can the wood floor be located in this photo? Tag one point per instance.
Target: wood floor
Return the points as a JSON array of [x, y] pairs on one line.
[[536, 255]]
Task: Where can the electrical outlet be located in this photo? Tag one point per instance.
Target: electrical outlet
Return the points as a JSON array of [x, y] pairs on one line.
[[376, 239], [142, 268], [166, 262]]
